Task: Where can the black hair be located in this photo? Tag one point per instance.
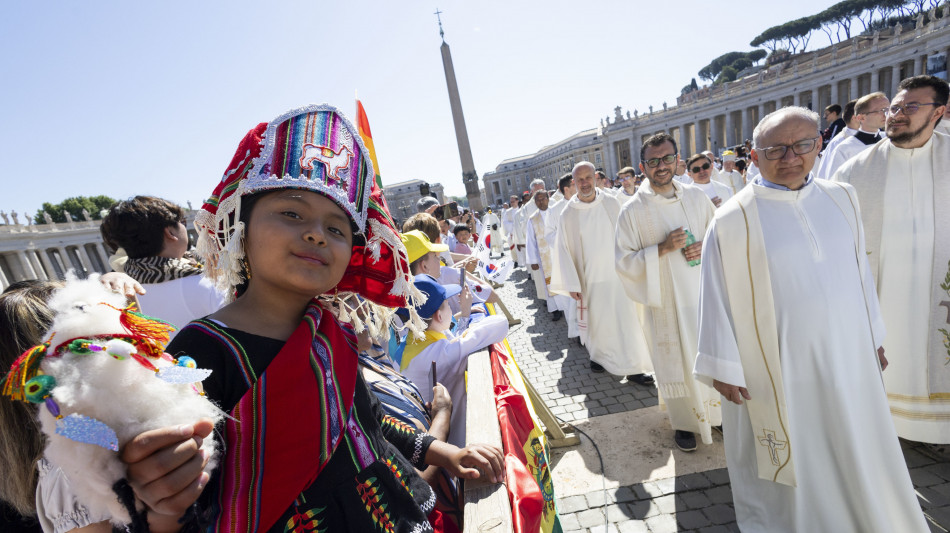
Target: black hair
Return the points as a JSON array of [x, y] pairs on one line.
[[940, 87], [564, 182], [657, 139], [138, 225], [461, 227]]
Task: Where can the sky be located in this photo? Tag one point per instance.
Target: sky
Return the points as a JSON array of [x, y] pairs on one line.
[[123, 98]]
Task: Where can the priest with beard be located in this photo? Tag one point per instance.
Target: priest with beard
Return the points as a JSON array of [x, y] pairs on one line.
[[661, 271], [903, 185], [584, 269], [870, 110], [790, 332]]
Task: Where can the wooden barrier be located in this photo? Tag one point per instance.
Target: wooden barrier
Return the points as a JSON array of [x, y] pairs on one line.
[[487, 509]]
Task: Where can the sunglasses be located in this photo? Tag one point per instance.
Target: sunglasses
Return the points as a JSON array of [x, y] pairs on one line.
[[696, 170]]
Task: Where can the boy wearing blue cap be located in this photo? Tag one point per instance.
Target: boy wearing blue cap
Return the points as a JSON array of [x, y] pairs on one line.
[[448, 350]]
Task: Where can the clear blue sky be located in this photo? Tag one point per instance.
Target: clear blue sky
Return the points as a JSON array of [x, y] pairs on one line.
[[125, 98]]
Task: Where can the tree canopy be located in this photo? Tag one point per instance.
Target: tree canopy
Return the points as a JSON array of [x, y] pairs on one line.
[[738, 61], [92, 204]]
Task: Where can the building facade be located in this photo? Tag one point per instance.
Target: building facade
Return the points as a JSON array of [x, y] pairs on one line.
[[48, 251], [402, 197], [715, 118], [513, 176]]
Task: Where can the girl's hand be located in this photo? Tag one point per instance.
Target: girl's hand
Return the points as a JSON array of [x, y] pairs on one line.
[[164, 468], [477, 460]]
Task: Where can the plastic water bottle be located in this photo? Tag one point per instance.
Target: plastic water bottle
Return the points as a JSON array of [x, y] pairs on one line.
[[690, 240]]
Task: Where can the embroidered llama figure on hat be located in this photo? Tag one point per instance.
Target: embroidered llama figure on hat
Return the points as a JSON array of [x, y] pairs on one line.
[[334, 161]]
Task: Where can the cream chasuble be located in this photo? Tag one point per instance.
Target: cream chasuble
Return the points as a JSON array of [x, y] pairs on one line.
[[668, 289], [539, 253], [905, 194], [564, 303], [733, 179], [824, 163], [788, 310], [584, 263], [712, 190]]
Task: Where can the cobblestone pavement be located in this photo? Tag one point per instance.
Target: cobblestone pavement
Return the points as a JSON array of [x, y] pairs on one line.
[[700, 502]]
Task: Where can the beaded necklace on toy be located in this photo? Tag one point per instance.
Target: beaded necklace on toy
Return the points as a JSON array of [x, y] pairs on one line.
[[144, 341]]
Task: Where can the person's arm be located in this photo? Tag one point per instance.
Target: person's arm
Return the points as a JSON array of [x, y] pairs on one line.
[[718, 359]]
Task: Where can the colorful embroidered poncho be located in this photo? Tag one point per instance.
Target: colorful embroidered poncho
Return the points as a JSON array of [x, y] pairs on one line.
[[365, 483]]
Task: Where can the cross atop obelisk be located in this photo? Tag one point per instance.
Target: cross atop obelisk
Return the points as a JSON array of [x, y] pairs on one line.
[[438, 15], [469, 176]]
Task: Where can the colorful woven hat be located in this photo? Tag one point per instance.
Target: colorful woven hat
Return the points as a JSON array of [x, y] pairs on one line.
[[314, 148]]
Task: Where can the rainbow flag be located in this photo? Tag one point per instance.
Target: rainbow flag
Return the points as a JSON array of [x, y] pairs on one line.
[[362, 124], [530, 486]]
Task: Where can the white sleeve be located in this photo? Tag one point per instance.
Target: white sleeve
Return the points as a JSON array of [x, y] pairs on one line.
[[637, 266], [57, 509], [534, 255], [453, 358], [718, 356]]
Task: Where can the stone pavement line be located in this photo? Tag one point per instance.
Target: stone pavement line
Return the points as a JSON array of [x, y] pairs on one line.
[[698, 501]]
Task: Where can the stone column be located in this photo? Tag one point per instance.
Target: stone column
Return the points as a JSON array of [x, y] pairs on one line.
[[85, 259], [105, 254], [26, 265], [35, 263], [875, 80], [64, 257], [813, 95], [4, 282], [684, 142], [796, 98], [895, 80], [44, 258], [855, 90], [716, 134], [916, 66]]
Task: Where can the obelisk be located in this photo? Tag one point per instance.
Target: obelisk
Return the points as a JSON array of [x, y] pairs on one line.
[[469, 176]]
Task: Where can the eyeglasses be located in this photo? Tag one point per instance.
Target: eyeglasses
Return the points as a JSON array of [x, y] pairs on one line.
[[876, 111], [800, 148], [908, 109], [695, 170], [655, 162]]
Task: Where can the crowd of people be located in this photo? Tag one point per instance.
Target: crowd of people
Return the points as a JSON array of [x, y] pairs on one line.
[[771, 276]]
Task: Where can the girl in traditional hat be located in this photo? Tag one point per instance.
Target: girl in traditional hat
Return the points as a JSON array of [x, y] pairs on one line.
[[308, 447]]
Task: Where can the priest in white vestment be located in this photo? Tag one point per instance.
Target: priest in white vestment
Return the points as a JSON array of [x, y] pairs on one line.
[[700, 171], [852, 123], [790, 333], [508, 223], [727, 175], [584, 269], [654, 263], [870, 112], [539, 253], [564, 303], [629, 183], [492, 224], [903, 185]]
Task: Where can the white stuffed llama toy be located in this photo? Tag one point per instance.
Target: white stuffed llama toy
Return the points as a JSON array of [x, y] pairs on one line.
[[103, 378]]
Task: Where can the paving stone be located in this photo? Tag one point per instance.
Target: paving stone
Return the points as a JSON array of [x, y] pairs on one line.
[[721, 494], [571, 504], [665, 504], [692, 482], [663, 523], [666, 486], [695, 500], [720, 514], [716, 529], [692, 519], [597, 498], [631, 493], [591, 517], [923, 477], [568, 522], [633, 526], [720, 476], [611, 528]]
